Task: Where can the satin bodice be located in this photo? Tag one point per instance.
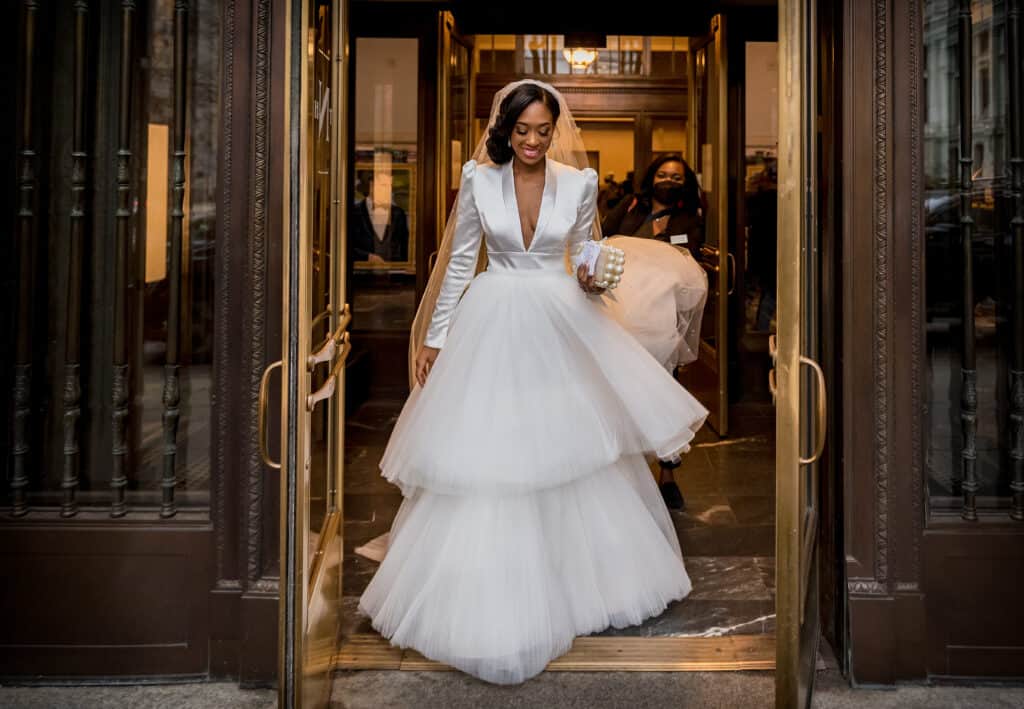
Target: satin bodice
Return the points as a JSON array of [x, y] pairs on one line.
[[488, 210]]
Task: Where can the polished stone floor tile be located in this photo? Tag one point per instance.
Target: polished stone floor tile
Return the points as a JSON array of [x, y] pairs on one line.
[[766, 565], [703, 511], [356, 573], [704, 618], [753, 509], [752, 540], [372, 507], [352, 621], [723, 578], [372, 422]]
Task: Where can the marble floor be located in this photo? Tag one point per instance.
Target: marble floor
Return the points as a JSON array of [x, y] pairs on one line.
[[727, 531]]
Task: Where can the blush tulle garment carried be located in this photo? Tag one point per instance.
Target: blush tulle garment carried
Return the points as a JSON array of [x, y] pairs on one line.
[[529, 513]]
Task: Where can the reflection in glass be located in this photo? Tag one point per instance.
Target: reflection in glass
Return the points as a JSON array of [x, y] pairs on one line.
[[320, 587], [990, 208], [702, 165], [322, 309], [547, 54], [199, 240], [382, 221], [668, 56], [496, 53], [761, 138]]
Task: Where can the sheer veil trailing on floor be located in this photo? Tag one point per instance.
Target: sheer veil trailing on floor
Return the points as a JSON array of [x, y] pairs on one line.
[[566, 148]]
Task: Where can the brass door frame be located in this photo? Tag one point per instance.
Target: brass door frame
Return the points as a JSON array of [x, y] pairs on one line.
[[716, 260], [795, 538], [302, 578], [616, 653], [447, 36], [797, 396]]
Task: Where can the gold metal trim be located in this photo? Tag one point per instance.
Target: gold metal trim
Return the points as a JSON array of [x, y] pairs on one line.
[[326, 313], [822, 412], [261, 422], [366, 651], [442, 169], [791, 513], [718, 87]]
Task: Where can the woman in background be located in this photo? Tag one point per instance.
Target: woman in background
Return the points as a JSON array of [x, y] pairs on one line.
[[668, 205], [668, 208]]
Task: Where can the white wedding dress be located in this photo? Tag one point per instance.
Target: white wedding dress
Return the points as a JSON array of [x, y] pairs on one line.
[[530, 515]]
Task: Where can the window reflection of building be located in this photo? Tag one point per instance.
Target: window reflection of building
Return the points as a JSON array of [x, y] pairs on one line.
[[990, 211], [989, 101], [199, 240]]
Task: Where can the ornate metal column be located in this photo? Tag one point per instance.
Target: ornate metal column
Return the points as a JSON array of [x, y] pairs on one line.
[[1016, 116], [26, 231], [119, 481], [72, 332], [172, 388], [968, 365]]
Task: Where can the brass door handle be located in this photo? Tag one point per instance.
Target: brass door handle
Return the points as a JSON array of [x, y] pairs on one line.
[[327, 390], [324, 354], [431, 260], [773, 348], [262, 417], [344, 318], [329, 347], [773, 387], [730, 276], [822, 412], [324, 392]]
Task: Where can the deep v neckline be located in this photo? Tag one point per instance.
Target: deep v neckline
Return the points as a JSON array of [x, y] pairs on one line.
[[545, 199]]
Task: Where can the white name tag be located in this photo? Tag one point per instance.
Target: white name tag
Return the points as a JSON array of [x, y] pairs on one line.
[[678, 239]]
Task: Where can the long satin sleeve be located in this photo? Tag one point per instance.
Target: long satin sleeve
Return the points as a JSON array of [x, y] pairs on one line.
[[587, 209], [462, 264]]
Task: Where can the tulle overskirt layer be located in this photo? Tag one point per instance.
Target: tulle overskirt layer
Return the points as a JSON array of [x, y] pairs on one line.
[[530, 515], [535, 387], [498, 586]]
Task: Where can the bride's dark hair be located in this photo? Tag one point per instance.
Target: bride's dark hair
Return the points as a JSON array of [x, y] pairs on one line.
[[498, 147]]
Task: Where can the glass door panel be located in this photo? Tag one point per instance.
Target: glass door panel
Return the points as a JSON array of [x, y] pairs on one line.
[[315, 347], [708, 377], [799, 380]]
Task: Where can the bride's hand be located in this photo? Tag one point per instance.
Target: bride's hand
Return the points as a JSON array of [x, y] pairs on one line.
[[424, 362], [587, 281]]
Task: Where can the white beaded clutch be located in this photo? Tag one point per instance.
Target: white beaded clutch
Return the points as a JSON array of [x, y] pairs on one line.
[[604, 262]]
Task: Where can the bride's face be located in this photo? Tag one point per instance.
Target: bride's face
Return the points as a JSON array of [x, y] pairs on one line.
[[532, 134]]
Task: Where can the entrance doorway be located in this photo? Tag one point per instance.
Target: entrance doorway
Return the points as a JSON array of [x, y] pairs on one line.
[[747, 472]]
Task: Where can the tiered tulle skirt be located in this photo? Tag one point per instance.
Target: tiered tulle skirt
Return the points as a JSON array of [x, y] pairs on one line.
[[530, 516]]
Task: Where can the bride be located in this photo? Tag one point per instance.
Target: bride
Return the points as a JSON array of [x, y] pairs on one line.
[[529, 515]]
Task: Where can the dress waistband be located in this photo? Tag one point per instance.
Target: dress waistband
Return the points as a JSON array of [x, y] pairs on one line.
[[525, 261]]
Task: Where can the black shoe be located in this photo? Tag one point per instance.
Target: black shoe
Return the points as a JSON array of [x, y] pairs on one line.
[[672, 496]]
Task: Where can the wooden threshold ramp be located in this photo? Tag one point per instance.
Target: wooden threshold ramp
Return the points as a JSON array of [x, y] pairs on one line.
[[591, 654]]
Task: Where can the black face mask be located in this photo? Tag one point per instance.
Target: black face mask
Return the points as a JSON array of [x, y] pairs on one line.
[[669, 193]]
